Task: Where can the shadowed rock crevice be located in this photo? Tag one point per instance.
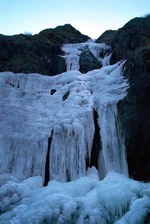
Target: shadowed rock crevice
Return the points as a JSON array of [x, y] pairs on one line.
[[96, 147], [47, 164], [88, 62]]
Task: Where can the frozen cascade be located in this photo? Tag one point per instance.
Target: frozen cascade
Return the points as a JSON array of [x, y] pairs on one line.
[[73, 136], [72, 53], [40, 113], [26, 136], [68, 113], [110, 87]]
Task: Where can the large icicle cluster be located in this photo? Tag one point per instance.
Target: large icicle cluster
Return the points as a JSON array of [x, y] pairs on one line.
[[109, 87], [34, 106], [48, 123], [30, 112]]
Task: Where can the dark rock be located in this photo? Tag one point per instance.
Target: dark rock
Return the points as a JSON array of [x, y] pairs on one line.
[[65, 96], [88, 62], [134, 113], [53, 91], [107, 37], [133, 35], [39, 53], [97, 145], [64, 34], [132, 42], [47, 164]]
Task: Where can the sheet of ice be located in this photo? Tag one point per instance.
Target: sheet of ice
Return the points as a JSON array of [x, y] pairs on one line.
[[28, 114], [116, 199], [33, 105]]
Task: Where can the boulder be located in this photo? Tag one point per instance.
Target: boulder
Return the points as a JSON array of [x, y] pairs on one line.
[[88, 62]]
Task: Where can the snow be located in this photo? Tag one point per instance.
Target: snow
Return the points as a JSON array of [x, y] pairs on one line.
[[85, 200]]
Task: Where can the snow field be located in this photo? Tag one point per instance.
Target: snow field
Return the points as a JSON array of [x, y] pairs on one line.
[[116, 199]]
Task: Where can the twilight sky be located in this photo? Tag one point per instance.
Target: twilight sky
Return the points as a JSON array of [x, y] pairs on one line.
[[90, 17]]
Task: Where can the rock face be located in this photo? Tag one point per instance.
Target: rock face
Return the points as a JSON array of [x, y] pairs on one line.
[[38, 53], [134, 112], [132, 36], [133, 43], [107, 37], [88, 62]]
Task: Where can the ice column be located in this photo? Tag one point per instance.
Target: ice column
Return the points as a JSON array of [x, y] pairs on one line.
[[110, 88], [71, 146], [72, 53]]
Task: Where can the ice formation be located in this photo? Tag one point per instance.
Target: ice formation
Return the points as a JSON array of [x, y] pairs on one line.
[[47, 130], [117, 199], [30, 113]]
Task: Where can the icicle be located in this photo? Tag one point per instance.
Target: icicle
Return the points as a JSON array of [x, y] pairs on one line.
[[108, 91], [112, 155], [72, 54]]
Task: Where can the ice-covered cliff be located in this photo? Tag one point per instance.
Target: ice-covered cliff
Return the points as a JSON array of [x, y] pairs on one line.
[[47, 133], [50, 120]]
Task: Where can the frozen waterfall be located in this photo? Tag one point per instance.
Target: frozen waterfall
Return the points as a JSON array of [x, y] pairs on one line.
[[34, 106], [108, 87], [108, 90], [48, 134]]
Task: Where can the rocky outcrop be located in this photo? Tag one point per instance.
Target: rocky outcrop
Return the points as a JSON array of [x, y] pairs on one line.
[[133, 43], [133, 35], [88, 62], [107, 37], [38, 53]]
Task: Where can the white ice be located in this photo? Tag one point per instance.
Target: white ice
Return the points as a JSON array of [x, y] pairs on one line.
[[101, 52], [108, 88], [31, 107], [29, 113], [86, 200]]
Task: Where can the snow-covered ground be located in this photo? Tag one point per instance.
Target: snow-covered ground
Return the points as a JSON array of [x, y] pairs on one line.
[[117, 199], [36, 108]]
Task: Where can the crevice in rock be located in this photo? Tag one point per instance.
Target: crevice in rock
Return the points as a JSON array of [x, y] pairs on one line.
[[53, 91], [87, 162], [96, 142], [65, 96], [47, 171]]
